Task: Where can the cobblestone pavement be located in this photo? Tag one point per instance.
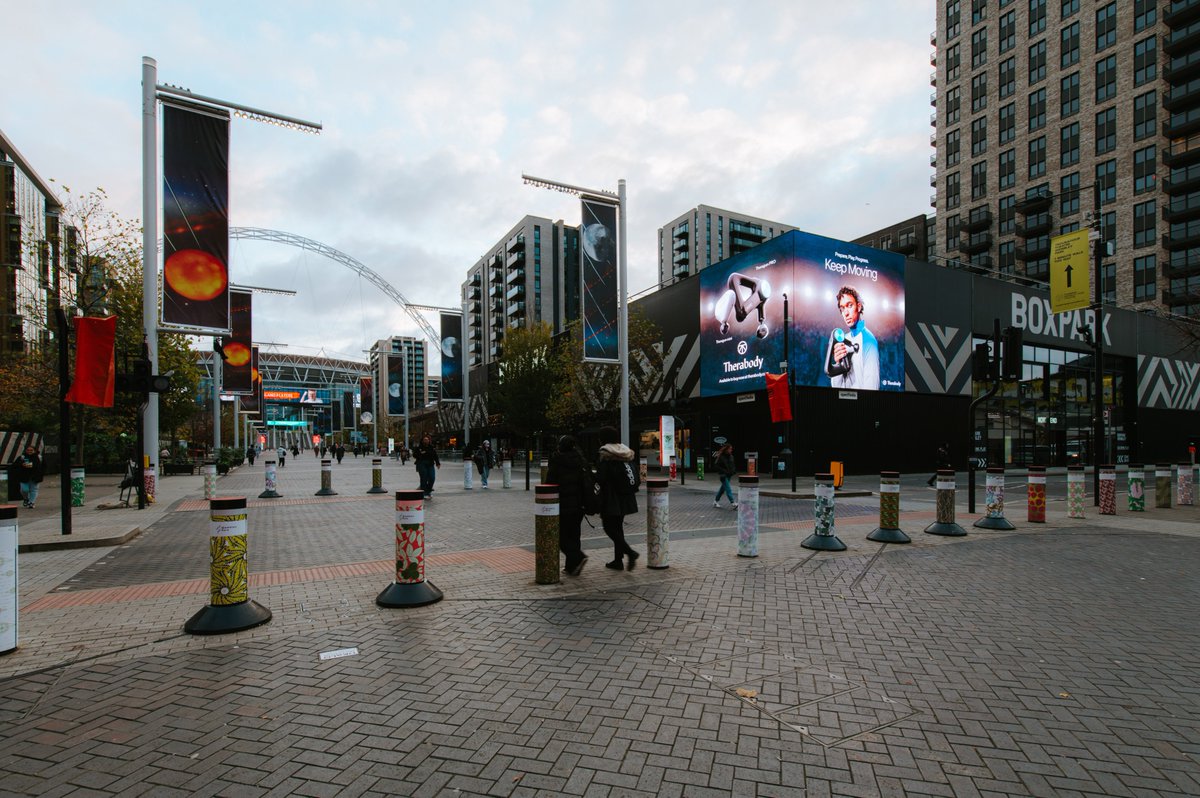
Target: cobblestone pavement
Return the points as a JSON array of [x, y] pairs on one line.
[[1055, 660]]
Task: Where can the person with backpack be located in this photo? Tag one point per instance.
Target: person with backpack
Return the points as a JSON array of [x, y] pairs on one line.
[[485, 461], [725, 467], [281, 453], [575, 484], [618, 478]]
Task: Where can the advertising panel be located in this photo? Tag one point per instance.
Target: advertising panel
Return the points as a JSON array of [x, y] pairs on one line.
[[451, 357], [366, 389], [235, 372], [303, 396], [598, 273], [348, 417], [253, 401], [395, 375]]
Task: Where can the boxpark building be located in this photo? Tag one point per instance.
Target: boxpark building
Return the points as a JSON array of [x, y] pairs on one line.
[[880, 351]]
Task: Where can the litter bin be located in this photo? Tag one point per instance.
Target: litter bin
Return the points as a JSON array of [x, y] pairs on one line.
[[838, 469], [781, 465]]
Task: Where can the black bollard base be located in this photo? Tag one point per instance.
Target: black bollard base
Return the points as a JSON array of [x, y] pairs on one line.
[[823, 543], [994, 523], [881, 535], [326, 492], [377, 490], [658, 567], [233, 618], [409, 594], [945, 530], [269, 494]]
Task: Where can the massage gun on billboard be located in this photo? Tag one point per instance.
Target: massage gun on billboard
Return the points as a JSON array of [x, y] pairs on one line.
[[742, 295], [836, 368]]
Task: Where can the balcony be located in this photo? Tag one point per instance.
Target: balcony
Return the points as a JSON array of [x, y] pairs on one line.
[[680, 242], [1182, 67], [977, 221], [933, 159], [1181, 13], [1179, 98], [495, 291], [1174, 243], [495, 274], [497, 351], [517, 291], [1182, 124], [933, 119], [1182, 264], [477, 279], [515, 258], [516, 243], [1034, 204], [476, 320], [933, 78], [933, 98], [680, 257], [979, 242], [1182, 209], [905, 245], [494, 260], [933, 180], [1173, 299], [516, 309], [1038, 250], [515, 276], [933, 39], [1183, 152], [1182, 181], [1182, 39], [1035, 226], [933, 200]]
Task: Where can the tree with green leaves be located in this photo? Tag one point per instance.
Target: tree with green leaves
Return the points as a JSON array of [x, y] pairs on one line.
[[527, 378]]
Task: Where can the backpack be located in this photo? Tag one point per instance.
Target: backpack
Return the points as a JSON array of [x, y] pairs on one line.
[[590, 494]]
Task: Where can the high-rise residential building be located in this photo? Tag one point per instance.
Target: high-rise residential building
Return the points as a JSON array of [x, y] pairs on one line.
[[1044, 108], [706, 235], [38, 268], [414, 372]]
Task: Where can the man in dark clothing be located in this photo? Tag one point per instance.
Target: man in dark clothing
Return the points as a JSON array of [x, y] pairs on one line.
[[618, 478], [426, 458], [567, 471], [943, 461], [29, 472]]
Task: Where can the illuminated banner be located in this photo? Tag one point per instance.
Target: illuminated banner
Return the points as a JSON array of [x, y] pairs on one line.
[[195, 284], [366, 390], [598, 273], [253, 402], [306, 396], [348, 411], [235, 373], [451, 356], [666, 438], [395, 377], [1070, 288]]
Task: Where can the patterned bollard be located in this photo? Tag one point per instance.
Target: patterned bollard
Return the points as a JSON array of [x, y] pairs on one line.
[[1183, 484], [326, 479], [994, 502], [747, 516], [674, 470], [506, 471], [1108, 490], [210, 480], [658, 519], [1162, 486], [545, 534], [376, 476], [823, 537], [229, 606], [9, 602], [468, 476], [1075, 492], [888, 530], [271, 478], [1137, 489], [1035, 507], [78, 491], [643, 469], [699, 467], [409, 588], [148, 482], [945, 524], [752, 465]]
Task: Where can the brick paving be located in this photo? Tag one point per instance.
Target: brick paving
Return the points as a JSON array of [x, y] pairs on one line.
[[1055, 660]]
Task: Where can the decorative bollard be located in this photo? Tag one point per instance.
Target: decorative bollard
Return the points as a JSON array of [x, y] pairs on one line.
[[376, 476], [1183, 484], [9, 601], [469, 478], [271, 478], [326, 479], [506, 471], [751, 464], [148, 482], [545, 534], [889, 530], [1162, 486], [658, 514], [700, 467], [229, 606], [77, 487], [823, 537], [643, 468], [747, 516], [945, 524], [1035, 507], [1137, 489], [1075, 492], [210, 480], [993, 501], [409, 588], [1108, 490], [674, 470]]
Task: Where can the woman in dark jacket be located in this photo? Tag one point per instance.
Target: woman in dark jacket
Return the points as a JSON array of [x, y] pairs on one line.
[[567, 471], [29, 470], [618, 479]]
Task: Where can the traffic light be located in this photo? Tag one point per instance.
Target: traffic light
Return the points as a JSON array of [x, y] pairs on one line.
[[1013, 353], [981, 363]]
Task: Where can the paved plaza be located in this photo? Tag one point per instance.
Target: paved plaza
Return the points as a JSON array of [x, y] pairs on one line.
[[1057, 659]]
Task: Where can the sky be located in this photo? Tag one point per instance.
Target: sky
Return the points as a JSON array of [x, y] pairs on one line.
[[806, 112]]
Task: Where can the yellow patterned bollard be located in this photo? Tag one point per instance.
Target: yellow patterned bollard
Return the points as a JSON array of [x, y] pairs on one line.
[[658, 523], [229, 607], [1162, 486], [545, 534], [1075, 492], [210, 480], [377, 476], [409, 588], [889, 530]]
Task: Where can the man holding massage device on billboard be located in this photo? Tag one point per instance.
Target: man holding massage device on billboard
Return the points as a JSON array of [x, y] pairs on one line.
[[852, 358]]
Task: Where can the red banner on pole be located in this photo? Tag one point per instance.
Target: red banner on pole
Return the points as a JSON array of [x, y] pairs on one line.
[[778, 398], [95, 368]]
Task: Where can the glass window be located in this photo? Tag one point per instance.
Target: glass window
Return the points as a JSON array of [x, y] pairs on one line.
[[953, 19], [978, 180], [1037, 110], [1069, 145], [1144, 169], [978, 11], [1008, 76], [1069, 8], [953, 61], [1108, 276], [1069, 95], [1068, 194], [1106, 131], [953, 102], [1037, 62], [979, 136], [1145, 61], [979, 92], [1143, 224], [1037, 16], [1008, 169], [1106, 78], [1144, 116], [1008, 257], [1008, 123], [1008, 31], [1037, 157], [953, 200], [979, 48], [1145, 270], [1106, 26], [1008, 214], [1106, 179], [1070, 45], [1145, 14], [952, 147]]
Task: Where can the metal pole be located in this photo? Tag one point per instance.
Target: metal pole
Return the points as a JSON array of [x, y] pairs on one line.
[[404, 390], [623, 310], [64, 422], [1098, 334], [787, 364], [466, 376], [150, 237], [216, 401]]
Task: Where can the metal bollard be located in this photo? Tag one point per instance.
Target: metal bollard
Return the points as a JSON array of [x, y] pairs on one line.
[[468, 476], [1108, 490], [643, 468], [545, 534], [889, 530], [271, 477], [229, 606], [994, 502], [823, 537], [506, 470], [409, 588], [148, 482], [945, 524], [1137, 489], [1035, 506], [376, 476], [78, 491], [9, 601], [326, 479], [1183, 484], [658, 517], [1075, 492], [747, 516], [210, 480], [1162, 486]]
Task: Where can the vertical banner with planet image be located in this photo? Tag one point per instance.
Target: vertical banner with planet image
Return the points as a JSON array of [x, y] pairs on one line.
[[451, 356], [235, 373], [195, 285], [366, 393], [395, 390], [253, 402], [598, 272]]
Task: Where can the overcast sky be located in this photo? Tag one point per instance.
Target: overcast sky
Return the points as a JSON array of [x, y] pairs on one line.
[[806, 112]]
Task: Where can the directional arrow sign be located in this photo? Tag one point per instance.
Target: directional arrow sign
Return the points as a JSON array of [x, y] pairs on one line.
[[1070, 288]]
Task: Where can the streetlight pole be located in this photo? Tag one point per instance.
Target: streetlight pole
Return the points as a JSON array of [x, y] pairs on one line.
[[1098, 333], [788, 451]]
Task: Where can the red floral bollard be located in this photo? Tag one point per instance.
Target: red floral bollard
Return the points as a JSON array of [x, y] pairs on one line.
[[1037, 495], [409, 589], [1108, 490]]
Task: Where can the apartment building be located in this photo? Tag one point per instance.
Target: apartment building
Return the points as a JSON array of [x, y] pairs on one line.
[[706, 235]]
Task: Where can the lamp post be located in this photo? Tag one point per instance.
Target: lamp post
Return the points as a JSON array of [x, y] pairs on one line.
[[788, 452]]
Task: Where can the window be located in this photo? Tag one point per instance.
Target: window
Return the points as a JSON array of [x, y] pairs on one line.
[[1108, 278], [1008, 123], [1008, 214], [1069, 145], [1106, 179], [1068, 194], [1106, 26], [1037, 110], [1144, 107], [953, 101], [952, 191], [1037, 157], [1037, 62], [1145, 61], [1145, 14], [978, 11], [1144, 271], [952, 225], [1069, 94], [1037, 16], [1143, 224], [1008, 76], [1106, 131], [1106, 78], [1008, 169], [1070, 45], [952, 148], [1070, 227], [979, 92], [1144, 163], [979, 48], [953, 61], [1069, 8], [1008, 31], [979, 180], [979, 136], [953, 19], [1008, 257]]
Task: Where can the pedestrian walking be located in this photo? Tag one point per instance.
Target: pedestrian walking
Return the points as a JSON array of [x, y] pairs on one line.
[[573, 477], [426, 458], [341, 452], [943, 461], [29, 472], [282, 452], [725, 467], [251, 453], [619, 480], [485, 461]]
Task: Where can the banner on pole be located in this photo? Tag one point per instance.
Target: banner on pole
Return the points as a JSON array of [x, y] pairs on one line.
[[452, 356], [366, 390], [235, 373], [395, 388], [253, 401], [95, 366], [778, 397], [598, 274], [1070, 288]]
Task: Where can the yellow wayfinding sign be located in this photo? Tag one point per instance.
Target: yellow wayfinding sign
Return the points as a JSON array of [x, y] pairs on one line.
[[1070, 288]]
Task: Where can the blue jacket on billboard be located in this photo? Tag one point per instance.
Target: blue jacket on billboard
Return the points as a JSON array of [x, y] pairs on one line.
[[852, 359]]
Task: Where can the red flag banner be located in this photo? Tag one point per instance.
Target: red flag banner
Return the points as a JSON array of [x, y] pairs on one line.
[[777, 397], [95, 367]]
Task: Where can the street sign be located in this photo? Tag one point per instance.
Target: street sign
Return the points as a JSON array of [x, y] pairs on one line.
[[1070, 288]]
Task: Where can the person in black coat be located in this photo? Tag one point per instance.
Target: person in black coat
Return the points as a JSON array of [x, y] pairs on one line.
[[618, 479], [566, 470], [29, 472]]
